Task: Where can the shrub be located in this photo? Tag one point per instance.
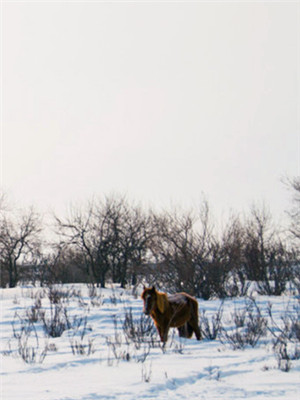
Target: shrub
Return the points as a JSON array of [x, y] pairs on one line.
[[289, 329], [35, 313], [95, 298], [139, 330], [286, 336], [249, 327], [57, 322], [81, 345], [211, 329], [28, 346], [285, 352]]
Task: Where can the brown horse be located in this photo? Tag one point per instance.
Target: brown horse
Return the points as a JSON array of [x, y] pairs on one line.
[[174, 311]]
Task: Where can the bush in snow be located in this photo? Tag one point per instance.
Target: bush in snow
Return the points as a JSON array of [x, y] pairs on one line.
[[139, 330], [285, 352], [286, 336], [28, 346], [248, 327], [210, 329], [80, 345]]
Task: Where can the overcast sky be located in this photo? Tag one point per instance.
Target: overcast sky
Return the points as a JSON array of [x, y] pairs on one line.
[[163, 102]]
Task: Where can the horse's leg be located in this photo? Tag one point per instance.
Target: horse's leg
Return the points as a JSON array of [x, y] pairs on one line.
[[163, 333], [165, 336], [197, 332], [185, 330], [193, 325]]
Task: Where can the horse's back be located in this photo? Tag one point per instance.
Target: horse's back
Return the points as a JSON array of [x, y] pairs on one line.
[[178, 299], [181, 298]]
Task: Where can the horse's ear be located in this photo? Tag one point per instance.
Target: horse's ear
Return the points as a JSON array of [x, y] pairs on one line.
[[144, 287], [153, 289], [161, 302]]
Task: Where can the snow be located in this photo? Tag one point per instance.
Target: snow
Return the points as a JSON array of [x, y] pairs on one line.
[[185, 369]]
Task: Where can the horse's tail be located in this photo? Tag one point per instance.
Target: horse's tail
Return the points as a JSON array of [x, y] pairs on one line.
[[195, 310]]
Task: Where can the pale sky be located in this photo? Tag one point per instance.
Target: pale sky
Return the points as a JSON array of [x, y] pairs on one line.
[[162, 101]]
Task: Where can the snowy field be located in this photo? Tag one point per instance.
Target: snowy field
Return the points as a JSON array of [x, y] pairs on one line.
[[98, 357]]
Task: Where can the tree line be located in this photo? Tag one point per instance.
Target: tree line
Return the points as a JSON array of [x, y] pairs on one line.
[[112, 240]]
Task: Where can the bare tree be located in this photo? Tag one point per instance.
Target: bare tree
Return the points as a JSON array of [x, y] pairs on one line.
[[186, 252], [233, 239], [19, 243], [294, 213], [258, 236], [266, 258], [110, 235], [172, 246], [87, 231], [133, 232], [293, 184], [190, 257]]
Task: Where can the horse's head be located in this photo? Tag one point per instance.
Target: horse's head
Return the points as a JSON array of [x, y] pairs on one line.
[[149, 297]]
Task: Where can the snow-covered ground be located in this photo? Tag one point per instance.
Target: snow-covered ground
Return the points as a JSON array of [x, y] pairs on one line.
[[120, 369]]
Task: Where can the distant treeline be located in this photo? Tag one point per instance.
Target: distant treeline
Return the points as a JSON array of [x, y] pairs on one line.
[[112, 240]]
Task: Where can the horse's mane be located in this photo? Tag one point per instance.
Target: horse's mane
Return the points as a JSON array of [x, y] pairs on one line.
[[162, 301]]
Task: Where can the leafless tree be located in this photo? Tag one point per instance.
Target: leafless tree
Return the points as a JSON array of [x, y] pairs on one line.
[[20, 243], [109, 234], [87, 231], [186, 252], [258, 237], [233, 239], [133, 232], [293, 184], [173, 246], [266, 257], [294, 213]]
